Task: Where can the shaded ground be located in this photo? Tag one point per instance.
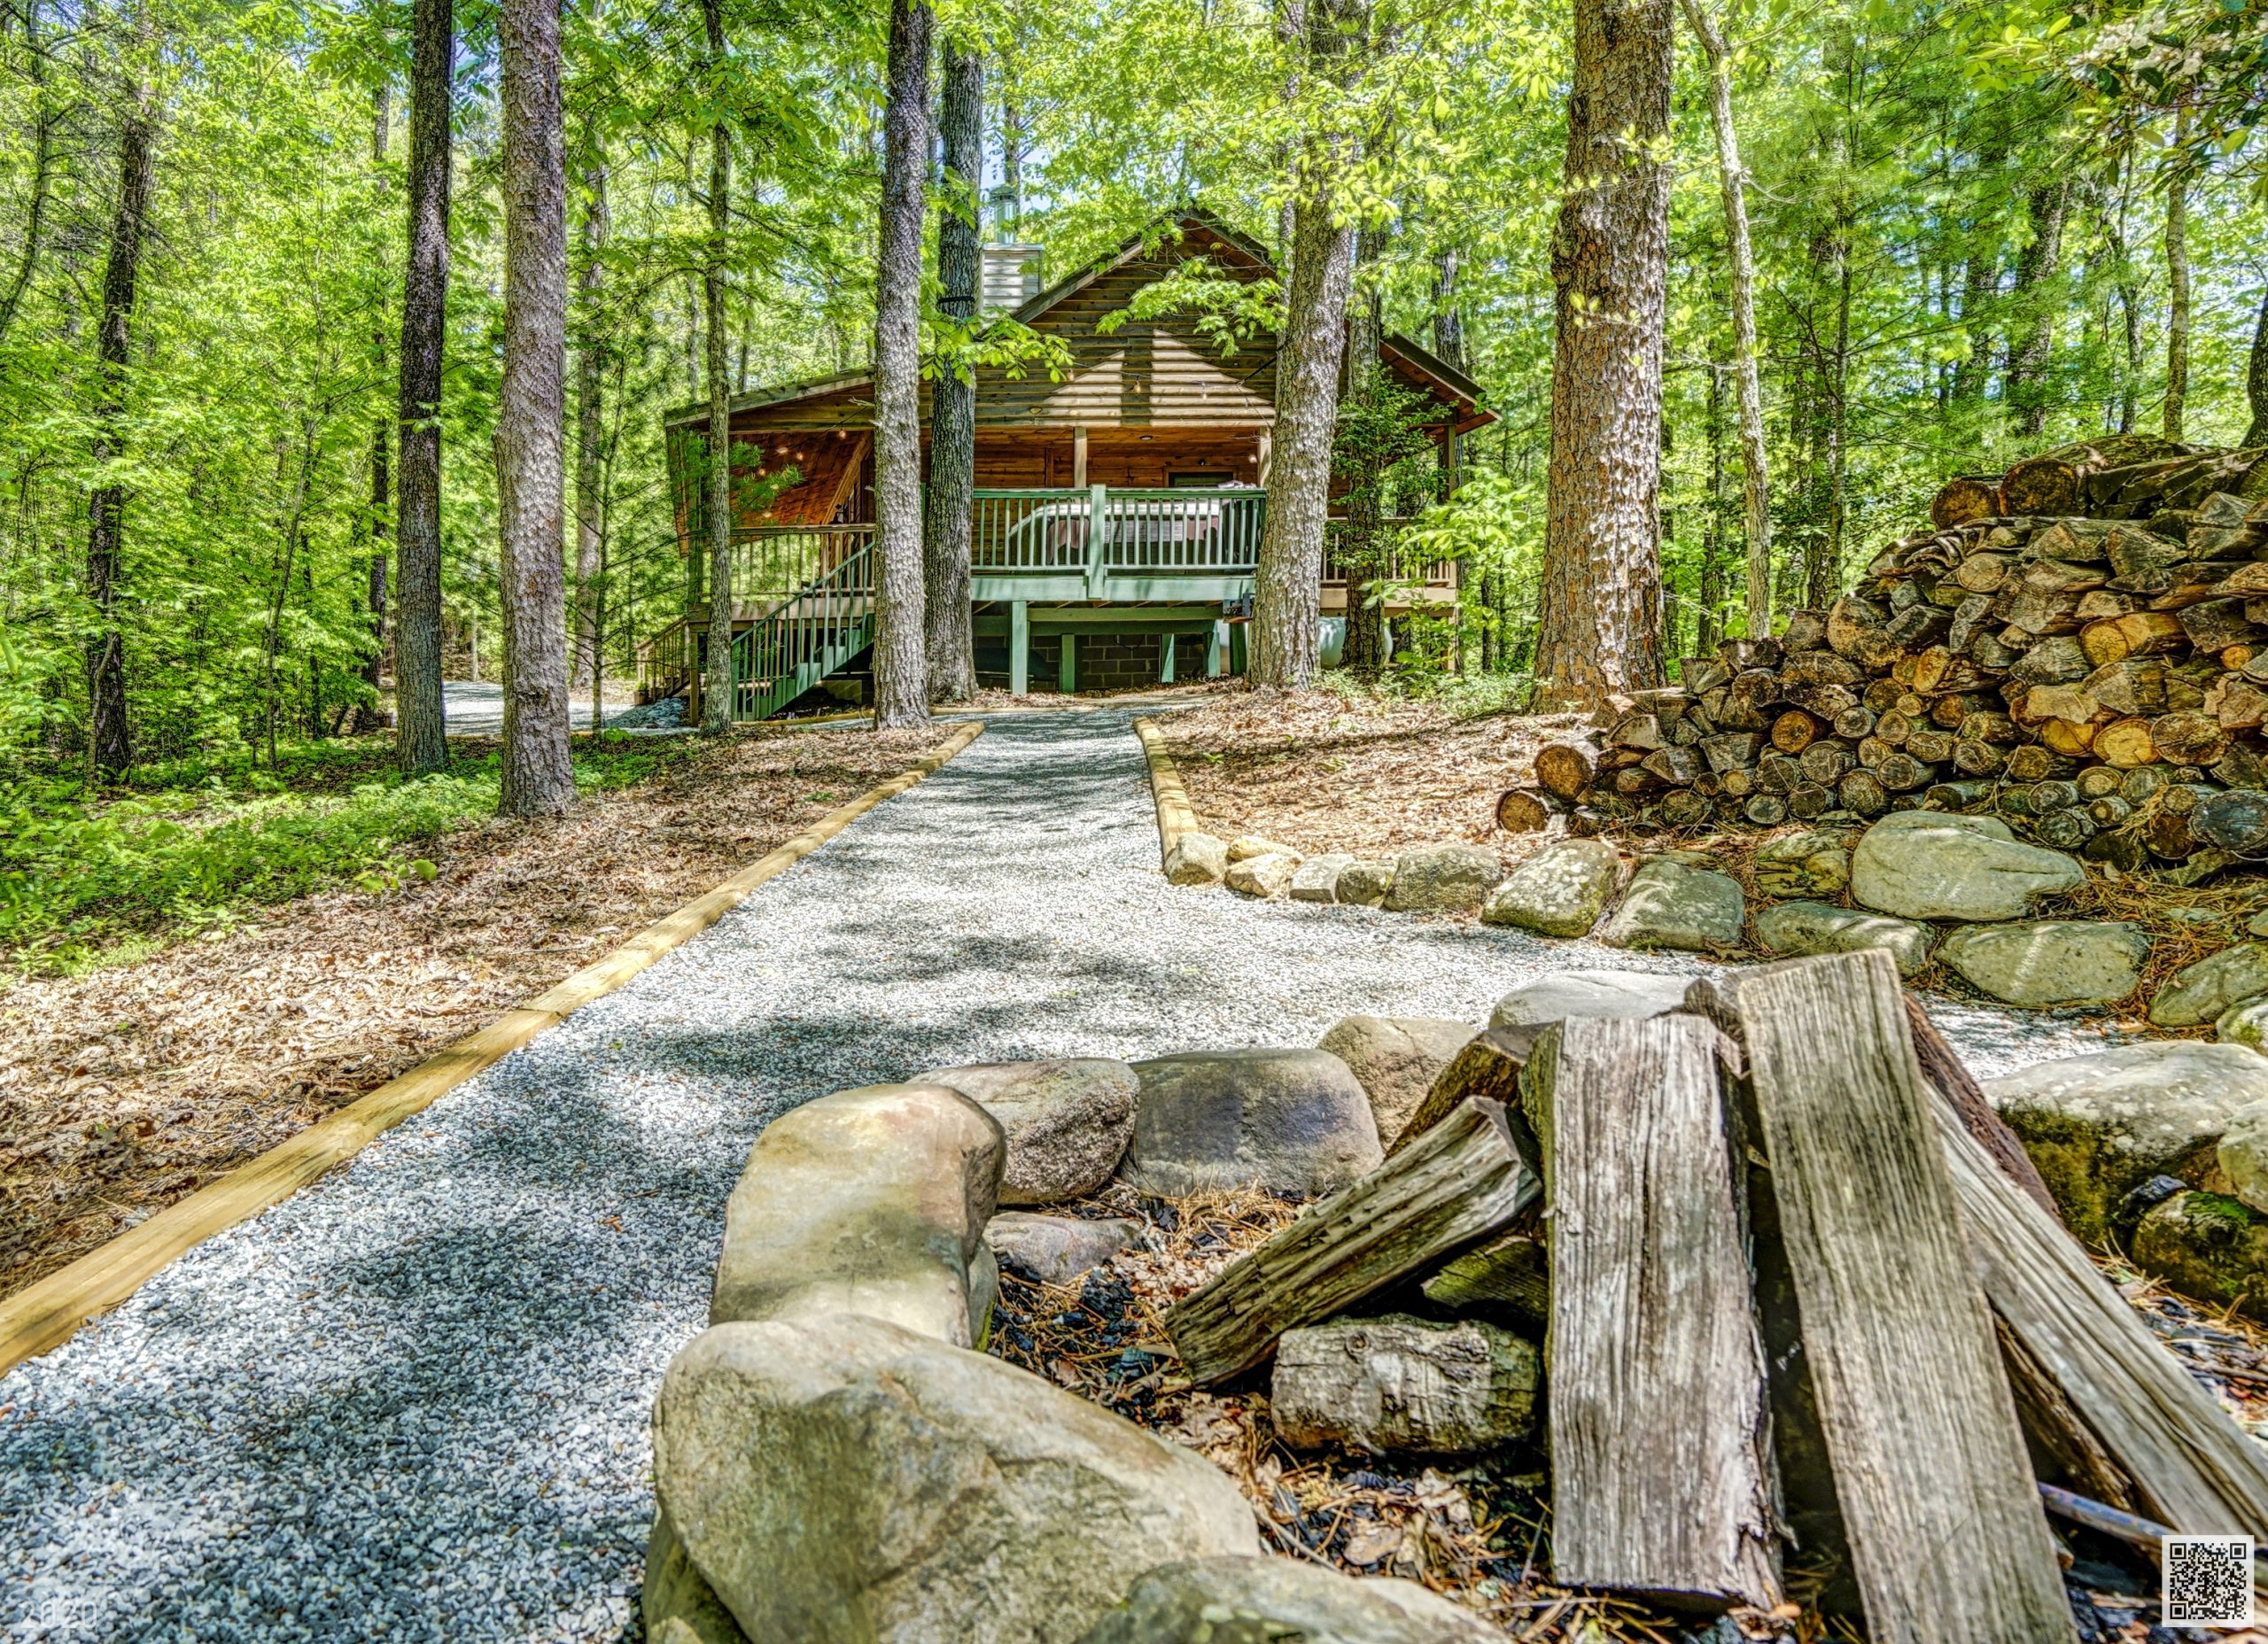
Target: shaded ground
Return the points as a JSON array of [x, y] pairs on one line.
[[1320, 771], [124, 1090]]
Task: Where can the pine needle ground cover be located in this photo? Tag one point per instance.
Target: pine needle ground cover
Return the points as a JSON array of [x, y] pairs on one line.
[[239, 1019], [1349, 770]]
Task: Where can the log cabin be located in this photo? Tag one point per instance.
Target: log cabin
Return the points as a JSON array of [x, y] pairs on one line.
[[1119, 504]]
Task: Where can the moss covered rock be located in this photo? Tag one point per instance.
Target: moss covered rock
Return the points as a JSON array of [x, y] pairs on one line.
[[2208, 1246]]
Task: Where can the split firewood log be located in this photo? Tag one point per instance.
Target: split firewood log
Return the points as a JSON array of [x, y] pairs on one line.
[[1564, 771]]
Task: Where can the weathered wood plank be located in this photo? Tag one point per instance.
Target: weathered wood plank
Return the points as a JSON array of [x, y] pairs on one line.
[[2189, 1465], [1462, 1181], [1948, 1542], [1660, 1455], [1486, 1069]]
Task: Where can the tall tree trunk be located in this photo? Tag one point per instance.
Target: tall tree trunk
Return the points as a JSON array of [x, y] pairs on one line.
[[2028, 391], [1601, 621], [1732, 181], [420, 736], [901, 673], [952, 395], [1825, 569], [1708, 628], [368, 715], [2255, 377], [1449, 319], [1287, 596], [717, 682], [109, 745], [531, 416], [590, 423], [2176, 280], [1361, 542]]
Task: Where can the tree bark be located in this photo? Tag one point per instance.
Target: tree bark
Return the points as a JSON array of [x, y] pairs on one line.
[[1449, 319], [901, 670], [717, 681], [47, 119], [590, 429], [109, 744], [2255, 379], [420, 740], [2177, 281], [952, 395], [2028, 389], [1740, 256], [1287, 597], [531, 433], [1600, 624], [1363, 540]]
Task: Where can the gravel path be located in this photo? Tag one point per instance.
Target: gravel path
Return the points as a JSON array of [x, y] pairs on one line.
[[410, 1403], [476, 708]]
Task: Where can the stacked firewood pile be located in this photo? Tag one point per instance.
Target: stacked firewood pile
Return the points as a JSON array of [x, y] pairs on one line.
[[1809, 1313], [2079, 645]]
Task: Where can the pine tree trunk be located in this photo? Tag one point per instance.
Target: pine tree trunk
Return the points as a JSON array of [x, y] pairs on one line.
[[1287, 595], [1449, 320], [2028, 391], [1361, 544], [717, 681], [901, 670], [2256, 378], [952, 397], [367, 715], [531, 416], [2177, 281], [419, 734], [590, 429], [1601, 624], [1732, 180], [109, 744], [1709, 628]]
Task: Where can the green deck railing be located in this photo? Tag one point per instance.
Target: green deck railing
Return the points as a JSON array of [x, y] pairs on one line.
[[801, 641]]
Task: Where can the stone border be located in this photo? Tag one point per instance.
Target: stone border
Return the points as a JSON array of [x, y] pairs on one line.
[[49, 1312], [1175, 815]]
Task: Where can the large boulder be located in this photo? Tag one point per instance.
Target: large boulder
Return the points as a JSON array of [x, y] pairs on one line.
[[1937, 865], [842, 1481], [677, 1604], [2102, 1124], [1067, 1121], [2245, 1023], [1675, 904], [1261, 876], [2045, 962], [2201, 992], [1316, 878], [1402, 1384], [1395, 1060], [1283, 1601], [1364, 884], [2208, 1246], [1442, 878], [1560, 890], [1196, 859], [1810, 863], [1291, 1121], [1056, 1250], [870, 1201], [1590, 993], [1797, 928]]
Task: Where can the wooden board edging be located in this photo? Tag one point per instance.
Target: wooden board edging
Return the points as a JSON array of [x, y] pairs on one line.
[[1175, 815], [45, 1315]]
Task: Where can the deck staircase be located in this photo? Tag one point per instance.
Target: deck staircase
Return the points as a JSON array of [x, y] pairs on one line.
[[815, 631]]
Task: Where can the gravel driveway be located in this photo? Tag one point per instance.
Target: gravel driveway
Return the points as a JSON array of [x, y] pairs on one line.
[[410, 1403]]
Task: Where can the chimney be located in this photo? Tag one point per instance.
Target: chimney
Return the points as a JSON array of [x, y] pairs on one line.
[[1008, 278]]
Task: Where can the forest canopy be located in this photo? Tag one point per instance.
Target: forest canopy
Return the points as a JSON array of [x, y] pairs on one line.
[[1977, 230]]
